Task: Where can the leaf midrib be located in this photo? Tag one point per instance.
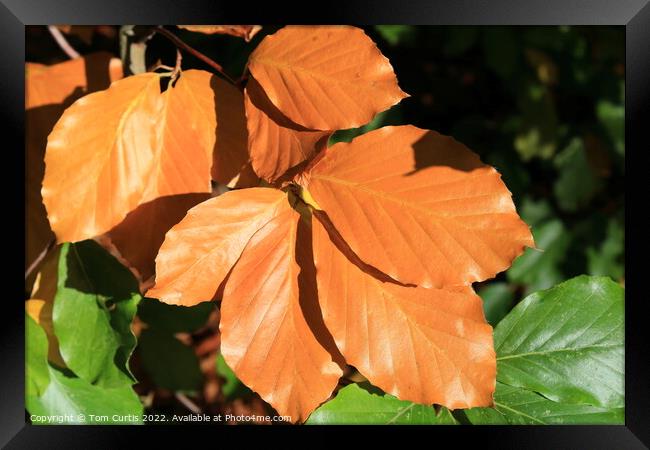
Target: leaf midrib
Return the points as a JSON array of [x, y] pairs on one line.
[[334, 80], [547, 352]]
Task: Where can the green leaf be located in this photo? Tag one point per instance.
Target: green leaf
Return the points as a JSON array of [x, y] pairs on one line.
[[364, 404], [170, 363], [497, 300], [60, 396], [612, 117], [95, 303], [391, 116], [534, 212], [540, 268], [68, 398], [172, 318], [518, 406], [396, 34], [37, 376], [607, 259], [566, 343], [576, 184], [232, 387], [538, 130]]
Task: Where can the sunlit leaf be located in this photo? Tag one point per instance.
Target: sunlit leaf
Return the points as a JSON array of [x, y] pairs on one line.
[[275, 143], [423, 345], [439, 216], [516, 406], [48, 91], [37, 376], [567, 343], [199, 251], [145, 144], [271, 331], [325, 77], [365, 405]]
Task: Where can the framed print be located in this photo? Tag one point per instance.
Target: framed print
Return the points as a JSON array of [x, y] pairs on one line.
[[410, 215]]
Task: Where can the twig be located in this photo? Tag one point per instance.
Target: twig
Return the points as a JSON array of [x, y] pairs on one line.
[[39, 258], [189, 404], [180, 44], [177, 67], [62, 42]]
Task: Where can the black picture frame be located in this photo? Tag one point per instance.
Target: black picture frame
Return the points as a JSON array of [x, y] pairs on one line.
[[633, 14]]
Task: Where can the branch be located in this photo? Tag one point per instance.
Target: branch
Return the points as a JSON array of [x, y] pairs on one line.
[[182, 45], [62, 42]]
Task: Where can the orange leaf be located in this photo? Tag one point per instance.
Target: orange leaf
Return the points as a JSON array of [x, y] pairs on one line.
[[418, 206], [200, 250], [266, 323], [230, 156], [145, 144], [66, 81], [48, 91], [423, 345], [275, 143], [243, 31], [136, 240], [325, 77]]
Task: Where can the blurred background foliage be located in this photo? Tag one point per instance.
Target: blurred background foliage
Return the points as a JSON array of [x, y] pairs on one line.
[[544, 105]]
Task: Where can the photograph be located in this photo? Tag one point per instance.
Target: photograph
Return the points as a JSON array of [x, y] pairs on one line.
[[325, 225]]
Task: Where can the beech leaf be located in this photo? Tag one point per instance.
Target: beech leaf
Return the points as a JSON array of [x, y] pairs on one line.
[[325, 77], [145, 144], [48, 91], [363, 404], [200, 250], [95, 303], [245, 32], [567, 343], [275, 143], [270, 331], [423, 345], [439, 216], [517, 406], [230, 157]]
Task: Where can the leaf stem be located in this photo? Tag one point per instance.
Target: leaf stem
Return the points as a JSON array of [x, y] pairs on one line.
[[40, 257], [182, 45]]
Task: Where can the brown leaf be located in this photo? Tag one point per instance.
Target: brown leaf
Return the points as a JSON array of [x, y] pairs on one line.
[[418, 206], [422, 345], [275, 143], [145, 144], [230, 156], [267, 338], [48, 91], [325, 77], [200, 250], [243, 31]]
